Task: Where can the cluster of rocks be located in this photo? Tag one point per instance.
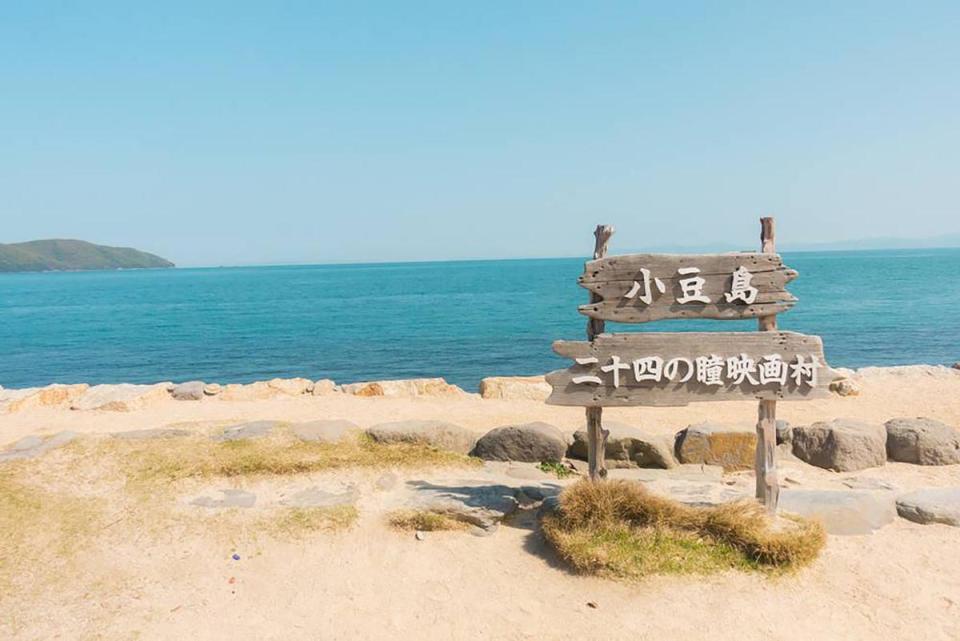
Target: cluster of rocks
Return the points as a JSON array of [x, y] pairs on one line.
[[126, 397], [846, 445]]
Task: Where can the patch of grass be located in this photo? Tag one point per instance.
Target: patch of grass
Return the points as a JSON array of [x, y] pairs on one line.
[[299, 522], [41, 533], [424, 520], [150, 462], [555, 467], [618, 528]]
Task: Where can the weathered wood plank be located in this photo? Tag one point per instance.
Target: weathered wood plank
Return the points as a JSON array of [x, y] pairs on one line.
[[638, 288], [765, 470], [596, 435], [688, 382]]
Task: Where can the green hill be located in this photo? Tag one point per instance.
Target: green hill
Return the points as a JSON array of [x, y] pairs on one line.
[[73, 255]]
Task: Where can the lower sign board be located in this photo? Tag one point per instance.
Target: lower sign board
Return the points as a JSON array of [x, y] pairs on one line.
[[670, 369]]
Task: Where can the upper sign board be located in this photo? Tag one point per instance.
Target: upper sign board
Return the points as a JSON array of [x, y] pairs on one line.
[[638, 288]]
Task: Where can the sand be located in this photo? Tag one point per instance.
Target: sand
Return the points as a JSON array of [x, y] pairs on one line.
[[370, 582]]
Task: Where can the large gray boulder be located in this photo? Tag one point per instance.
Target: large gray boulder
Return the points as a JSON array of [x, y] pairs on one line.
[[531, 442], [842, 445], [190, 391], [628, 446], [937, 505], [733, 448], [923, 441], [438, 434]]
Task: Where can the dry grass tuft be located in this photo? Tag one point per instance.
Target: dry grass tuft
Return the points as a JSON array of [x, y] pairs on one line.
[[299, 522], [147, 463], [425, 521], [618, 528]]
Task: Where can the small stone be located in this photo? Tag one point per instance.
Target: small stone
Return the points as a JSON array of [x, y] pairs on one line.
[[530, 442], [784, 432], [191, 391], [420, 535], [922, 441], [845, 387], [212, 389], [936, 505]]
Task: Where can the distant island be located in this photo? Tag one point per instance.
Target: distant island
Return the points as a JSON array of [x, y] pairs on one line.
[[73, 255]]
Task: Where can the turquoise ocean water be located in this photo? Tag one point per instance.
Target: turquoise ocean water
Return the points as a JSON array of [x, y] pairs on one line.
[[459, 320]]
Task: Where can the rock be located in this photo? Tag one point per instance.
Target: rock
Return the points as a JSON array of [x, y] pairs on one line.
[[387, 481], [191, 391], [628, 446], [512, 388], [841, 511], [733, 448], [33, 446], [438, 434], [419, 535], [315, 497], [291, 386], [254, 429], [326, 430], [474, 502], [229, 498], [49, 396], [845, 387], [922, 441], [251, 392], [152, 433], [937, 505], [697, 494], [858, 483], [784, 432], [212, 389], [120, 398], [531, 442], [324, 387], [404, 388], [955, 365], [841, 445]]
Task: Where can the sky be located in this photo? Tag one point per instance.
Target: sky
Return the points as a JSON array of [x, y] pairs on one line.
[[225, 133]]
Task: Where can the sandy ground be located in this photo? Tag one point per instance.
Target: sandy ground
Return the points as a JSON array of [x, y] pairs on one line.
[[902, 582]]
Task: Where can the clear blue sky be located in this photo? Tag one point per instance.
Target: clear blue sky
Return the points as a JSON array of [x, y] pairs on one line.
[[240, 132]]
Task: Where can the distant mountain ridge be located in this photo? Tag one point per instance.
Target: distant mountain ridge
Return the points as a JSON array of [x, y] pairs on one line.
[[59, 254]]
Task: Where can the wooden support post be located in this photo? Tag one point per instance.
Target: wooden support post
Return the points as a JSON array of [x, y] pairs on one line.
[[768, 486], [596, 435]]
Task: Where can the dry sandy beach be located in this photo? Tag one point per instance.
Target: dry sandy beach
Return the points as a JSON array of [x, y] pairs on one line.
[[178, 578]]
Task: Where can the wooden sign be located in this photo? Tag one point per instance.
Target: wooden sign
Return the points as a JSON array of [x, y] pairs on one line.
[[677, 369], [672, 369], [637, 288]]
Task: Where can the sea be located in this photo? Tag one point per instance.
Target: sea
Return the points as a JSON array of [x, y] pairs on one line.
[[462, 320]]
